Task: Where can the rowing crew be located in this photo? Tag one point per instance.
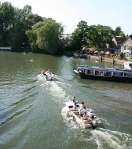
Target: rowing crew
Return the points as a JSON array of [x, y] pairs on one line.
[[84, 112]]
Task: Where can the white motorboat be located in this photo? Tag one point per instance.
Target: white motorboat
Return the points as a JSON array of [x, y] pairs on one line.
[[47, 75], [72, 111]]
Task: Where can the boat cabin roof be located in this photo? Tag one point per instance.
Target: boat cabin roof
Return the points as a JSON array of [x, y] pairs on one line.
[[85, 67]]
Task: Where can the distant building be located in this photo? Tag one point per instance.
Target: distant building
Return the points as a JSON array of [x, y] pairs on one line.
[[126, 48]]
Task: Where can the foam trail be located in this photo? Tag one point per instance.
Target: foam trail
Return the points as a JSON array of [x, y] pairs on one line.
[[53, 87], [111, 139], [59, 79], [56, 90], [40, 77], [68, 120], [104, 137]]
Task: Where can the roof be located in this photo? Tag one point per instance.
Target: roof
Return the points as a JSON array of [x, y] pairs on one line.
[[102, 69]]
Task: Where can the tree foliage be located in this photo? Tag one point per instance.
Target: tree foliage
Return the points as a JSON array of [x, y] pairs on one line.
[[79, 36], [14, 23], [45, 36], [25, 31], [7, 14], [91, 36], [118, 31]]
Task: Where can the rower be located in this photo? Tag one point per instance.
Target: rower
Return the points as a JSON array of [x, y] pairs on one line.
[[75, 102], [82, 109], [82, 105]]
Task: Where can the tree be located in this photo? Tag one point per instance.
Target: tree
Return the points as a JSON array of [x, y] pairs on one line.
[[24, 20], [91, 36], [118, 31], [6, 22], [45, 36], [79, 35]]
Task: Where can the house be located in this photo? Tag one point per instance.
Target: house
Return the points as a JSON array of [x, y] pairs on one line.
[[126, 48]]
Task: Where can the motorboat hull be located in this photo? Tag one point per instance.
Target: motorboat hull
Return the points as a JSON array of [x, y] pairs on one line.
[[46, 78], [102, 78]]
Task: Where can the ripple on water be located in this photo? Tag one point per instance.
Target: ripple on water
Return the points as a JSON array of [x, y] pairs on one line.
[[13, 115]]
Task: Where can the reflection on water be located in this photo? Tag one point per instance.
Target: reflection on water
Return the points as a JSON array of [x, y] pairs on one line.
[[30, 109]]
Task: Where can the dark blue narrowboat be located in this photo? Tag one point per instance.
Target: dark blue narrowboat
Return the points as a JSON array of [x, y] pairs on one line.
[[106, 74]]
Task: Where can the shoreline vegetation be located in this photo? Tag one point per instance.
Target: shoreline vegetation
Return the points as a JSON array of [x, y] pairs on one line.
[[23, 31]]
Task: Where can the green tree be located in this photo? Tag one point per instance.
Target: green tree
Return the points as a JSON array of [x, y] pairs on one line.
[[118, 31], [45, 36], [24, 19], [91, 36], [79, 36], [6, 22]]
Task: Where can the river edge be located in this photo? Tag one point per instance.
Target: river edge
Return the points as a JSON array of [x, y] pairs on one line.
[[103, 59]]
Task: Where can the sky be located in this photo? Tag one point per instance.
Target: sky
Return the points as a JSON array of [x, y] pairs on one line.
[[69, 12]]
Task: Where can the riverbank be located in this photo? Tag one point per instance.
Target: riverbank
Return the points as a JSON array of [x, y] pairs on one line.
[[106, 59]]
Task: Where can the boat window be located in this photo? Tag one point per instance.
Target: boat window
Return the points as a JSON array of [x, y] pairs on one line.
[[125, 74], [108, 74], [85, 71], [118, 74], [121, 74], [88, 71], [129, 74], [102, 73], [97, 72]]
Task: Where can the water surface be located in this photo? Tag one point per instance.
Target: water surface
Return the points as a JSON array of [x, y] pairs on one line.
[[30, 109]]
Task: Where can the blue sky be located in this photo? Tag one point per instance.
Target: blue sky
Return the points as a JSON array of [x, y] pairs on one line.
[[69, 12]]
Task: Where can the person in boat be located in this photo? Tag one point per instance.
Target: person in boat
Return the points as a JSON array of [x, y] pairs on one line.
[[45, 72], [91, 114], [76, 103], [86, 117], [82, 109], [74, 100], [82, 105]]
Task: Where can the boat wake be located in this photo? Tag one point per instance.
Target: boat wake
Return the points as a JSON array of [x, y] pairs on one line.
[[105, 138], [54, 88], [101, 138], [68, 120]]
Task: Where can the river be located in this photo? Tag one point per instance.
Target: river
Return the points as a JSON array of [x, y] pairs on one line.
[[30, 109]]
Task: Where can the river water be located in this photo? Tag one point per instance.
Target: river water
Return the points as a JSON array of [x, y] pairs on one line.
[[30, 109]]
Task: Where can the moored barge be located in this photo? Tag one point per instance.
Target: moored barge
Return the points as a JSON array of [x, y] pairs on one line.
[[106, 74]]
